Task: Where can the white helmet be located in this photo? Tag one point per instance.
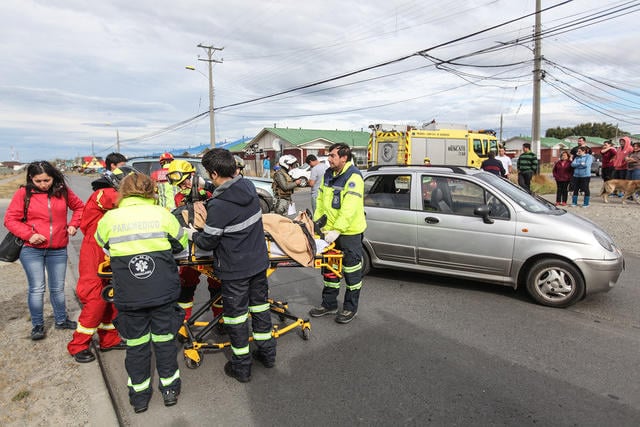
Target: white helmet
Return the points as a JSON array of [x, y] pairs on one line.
[[287, 161]]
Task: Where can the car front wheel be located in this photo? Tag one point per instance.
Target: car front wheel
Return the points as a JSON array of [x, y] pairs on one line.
[[366, 262], [264, 206], [555, 283]]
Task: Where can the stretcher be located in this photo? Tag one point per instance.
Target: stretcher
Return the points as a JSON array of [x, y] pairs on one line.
[[195, 331]]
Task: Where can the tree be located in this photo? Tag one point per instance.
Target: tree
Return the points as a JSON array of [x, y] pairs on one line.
[[600, 130]]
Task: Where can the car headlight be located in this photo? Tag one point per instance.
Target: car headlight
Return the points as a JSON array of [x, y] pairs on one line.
[[604, 241]]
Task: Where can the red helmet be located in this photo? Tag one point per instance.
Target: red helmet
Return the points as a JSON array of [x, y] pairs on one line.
[[166, 157]]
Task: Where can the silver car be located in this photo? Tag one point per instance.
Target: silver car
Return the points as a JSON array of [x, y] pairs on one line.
[[467, 223]]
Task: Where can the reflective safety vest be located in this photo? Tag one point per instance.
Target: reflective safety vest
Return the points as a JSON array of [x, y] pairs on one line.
[[141, 238], [341, 199]]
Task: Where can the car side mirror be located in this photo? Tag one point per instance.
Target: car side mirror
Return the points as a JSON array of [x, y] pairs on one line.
[[483, 211]]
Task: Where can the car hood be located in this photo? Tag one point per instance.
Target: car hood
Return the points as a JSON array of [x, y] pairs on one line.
[[586, 238]]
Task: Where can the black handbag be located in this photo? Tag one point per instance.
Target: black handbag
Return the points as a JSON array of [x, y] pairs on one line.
[[11, 245]]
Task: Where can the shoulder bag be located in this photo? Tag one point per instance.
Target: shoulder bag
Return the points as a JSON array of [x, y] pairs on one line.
[[12, 245]]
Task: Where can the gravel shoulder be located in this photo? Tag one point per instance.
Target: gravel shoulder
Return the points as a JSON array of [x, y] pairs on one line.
[[40, 383]]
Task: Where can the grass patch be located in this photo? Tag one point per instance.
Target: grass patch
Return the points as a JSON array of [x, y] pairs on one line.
[[21, 395], [543, 184], [9, 187]]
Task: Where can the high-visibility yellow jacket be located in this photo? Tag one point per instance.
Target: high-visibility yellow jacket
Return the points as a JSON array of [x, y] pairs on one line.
[[141, 238], [341, 199]]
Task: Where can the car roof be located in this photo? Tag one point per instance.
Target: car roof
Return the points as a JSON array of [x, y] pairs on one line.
[[443, 169]]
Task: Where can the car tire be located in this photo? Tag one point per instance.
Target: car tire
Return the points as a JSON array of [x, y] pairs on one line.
[[264, 206], [555, 283], [366, 262]]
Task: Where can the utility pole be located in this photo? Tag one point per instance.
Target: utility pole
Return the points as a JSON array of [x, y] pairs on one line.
[[210, 50], [537, 76], [117, 141]]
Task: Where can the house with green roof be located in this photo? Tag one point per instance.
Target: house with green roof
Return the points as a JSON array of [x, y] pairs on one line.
[[550, 148], [275, 142]]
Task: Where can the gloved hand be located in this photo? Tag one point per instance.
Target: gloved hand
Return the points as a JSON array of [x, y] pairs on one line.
[[331, 236], [201, 182], [189, 231]]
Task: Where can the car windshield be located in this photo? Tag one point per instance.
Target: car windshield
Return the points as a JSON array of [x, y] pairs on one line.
[[520, 196]]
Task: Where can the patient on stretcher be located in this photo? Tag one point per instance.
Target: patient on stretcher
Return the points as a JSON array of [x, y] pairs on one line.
[[284, 238]]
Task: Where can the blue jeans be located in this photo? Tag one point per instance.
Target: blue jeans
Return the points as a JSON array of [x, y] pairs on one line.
[[35, 261], [635, 174]]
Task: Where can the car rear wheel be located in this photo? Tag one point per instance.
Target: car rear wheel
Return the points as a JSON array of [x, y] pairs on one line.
[[555, 283]]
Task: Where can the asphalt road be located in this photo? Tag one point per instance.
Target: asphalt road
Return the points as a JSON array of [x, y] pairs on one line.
[[423, 350]]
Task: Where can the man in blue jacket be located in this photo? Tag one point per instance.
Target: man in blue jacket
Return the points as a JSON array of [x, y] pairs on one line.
[[235, 233]]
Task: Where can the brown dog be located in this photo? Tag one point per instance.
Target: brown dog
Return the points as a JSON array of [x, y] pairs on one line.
[[628, 186]]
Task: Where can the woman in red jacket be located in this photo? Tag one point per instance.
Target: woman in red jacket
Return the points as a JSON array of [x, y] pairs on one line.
[[46, 235]]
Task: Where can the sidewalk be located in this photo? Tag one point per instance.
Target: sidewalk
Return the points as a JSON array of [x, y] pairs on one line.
[[40, 384]]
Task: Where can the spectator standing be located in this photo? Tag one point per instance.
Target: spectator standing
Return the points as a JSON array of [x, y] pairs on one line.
[[619, 161], [235, 233], [46, 234], [283, 185], [318, 169], [633, 161], [582, 142], [97, 314], [562, 173], [608, 154], [427, 161], [507, 164], [164, 189], [141, 238], [581, 165], [527, 167], [266, 167], [493, 165], [341, 201]]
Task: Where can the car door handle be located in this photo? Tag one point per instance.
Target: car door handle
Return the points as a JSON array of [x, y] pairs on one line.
[[431, 220]]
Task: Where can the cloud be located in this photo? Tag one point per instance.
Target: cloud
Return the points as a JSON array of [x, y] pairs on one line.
[[71, 67]]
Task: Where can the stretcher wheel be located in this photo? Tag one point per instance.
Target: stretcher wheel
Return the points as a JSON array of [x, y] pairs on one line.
[[107, 293], [306, 334], [192, 364]]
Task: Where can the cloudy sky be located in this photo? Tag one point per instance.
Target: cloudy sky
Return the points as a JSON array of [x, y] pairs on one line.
[[76, 73]]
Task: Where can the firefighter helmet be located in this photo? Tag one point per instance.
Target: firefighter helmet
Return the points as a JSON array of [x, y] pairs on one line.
[[166, 157], [178, 171], [239, 162], [287, 161]]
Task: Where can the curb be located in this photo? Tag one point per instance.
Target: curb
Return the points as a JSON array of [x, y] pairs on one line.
[[97, 380]]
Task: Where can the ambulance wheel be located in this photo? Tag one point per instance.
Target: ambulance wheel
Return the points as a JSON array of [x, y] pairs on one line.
[[107, 293], [306, 334], [192, 364]]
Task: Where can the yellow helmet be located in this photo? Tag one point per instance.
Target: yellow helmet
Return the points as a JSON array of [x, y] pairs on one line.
[[179, 170]]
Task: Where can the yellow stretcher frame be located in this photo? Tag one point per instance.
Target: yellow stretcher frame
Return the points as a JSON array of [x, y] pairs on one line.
[[193, 331]]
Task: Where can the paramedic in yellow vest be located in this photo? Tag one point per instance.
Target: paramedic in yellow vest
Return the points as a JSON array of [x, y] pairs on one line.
[[341, 199], [164, 190], [141, 238]]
